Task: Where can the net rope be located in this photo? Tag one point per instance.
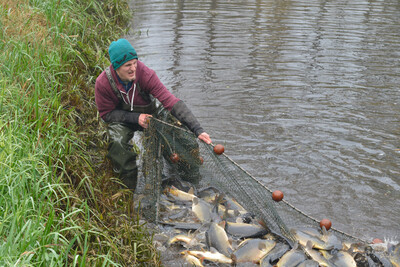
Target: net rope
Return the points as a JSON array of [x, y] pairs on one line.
[[166, 136]]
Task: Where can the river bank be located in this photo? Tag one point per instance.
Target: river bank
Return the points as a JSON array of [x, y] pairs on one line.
[[59, 203]]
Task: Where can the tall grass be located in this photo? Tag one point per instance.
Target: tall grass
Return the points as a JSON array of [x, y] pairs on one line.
[[56, 204]]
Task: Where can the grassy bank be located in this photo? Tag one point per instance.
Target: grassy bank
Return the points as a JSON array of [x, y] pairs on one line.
[[58, 205]]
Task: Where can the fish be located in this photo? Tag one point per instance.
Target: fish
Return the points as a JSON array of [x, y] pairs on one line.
[[327, 236], [202, 210], [308, 263], [252, 250], [181, 225], [274, 254], [317, 256], [316, 242], [219, 212], [331, 239], [208, 194], [343, 258], [179, 194], [226, 213], [212, 255], [292, 258], [179, 238], [361, 259], [217, 237], [178, 215], [168, 207], [189, 241], [244, 230], [375, 258], [231, 203], [192, 260], [354, 247]]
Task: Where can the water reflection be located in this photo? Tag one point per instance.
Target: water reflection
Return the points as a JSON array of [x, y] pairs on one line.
[[304, 95]]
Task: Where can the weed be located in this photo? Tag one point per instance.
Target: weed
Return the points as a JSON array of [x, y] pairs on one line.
[[56, 188]]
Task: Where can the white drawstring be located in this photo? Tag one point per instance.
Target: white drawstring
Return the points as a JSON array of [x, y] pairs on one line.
[[123, 98], [133, 95]]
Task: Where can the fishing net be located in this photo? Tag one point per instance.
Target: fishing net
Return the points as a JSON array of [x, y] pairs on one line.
[[201, 166]]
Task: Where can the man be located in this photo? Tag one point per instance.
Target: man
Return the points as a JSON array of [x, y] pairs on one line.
[[124, 94]]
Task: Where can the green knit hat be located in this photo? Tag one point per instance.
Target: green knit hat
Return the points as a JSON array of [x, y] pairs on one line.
[[120, 52]]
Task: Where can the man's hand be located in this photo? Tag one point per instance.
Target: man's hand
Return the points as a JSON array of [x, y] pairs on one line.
[[205, 138], [144, 120]]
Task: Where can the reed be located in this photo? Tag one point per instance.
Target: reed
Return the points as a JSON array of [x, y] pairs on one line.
[[56, 204]]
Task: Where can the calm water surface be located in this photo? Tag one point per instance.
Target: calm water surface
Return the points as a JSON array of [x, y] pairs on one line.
[[305, 95]]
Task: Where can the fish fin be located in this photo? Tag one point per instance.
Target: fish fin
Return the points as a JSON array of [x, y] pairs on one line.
[[173, 190], [216, 202], [263, 224], [324, 231], [195, 200], [191, 191], [230, 251], [219, 198], [201, 259], [236, 213], [208, 241], [296, 245], [213, 250], [309, 244], [234, 259]]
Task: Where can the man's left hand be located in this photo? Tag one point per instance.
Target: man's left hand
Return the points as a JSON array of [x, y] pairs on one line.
[[205, 138], [144, 120]]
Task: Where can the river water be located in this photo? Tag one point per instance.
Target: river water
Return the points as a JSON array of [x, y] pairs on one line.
[[304, 95]]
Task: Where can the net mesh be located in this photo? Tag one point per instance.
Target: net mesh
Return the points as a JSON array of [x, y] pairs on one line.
[[201, 166]]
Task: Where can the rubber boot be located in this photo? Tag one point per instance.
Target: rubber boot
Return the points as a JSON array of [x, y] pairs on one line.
[[129, 178]]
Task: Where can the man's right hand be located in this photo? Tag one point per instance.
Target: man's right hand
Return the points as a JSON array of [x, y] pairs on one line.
[[144, 120]]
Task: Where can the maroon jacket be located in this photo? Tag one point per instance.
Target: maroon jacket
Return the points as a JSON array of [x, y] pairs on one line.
[[107, 101], [109, 109]]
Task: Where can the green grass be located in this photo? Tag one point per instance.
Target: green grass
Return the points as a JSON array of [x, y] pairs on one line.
[[56, 201]]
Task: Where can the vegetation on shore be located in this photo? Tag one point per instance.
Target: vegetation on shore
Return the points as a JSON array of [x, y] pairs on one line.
[[59, 205]]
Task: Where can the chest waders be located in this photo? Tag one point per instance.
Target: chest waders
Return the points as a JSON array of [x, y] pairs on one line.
[[120, 150]]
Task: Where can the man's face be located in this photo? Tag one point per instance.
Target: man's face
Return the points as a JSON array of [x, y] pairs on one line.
[[127, 72]]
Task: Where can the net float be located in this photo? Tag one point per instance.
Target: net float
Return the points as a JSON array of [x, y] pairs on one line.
[[377, 241], [325, 223], [277, 195], [174, 157], [219, 149]]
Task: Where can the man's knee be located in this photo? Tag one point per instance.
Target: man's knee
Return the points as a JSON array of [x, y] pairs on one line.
[[120, 151]]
